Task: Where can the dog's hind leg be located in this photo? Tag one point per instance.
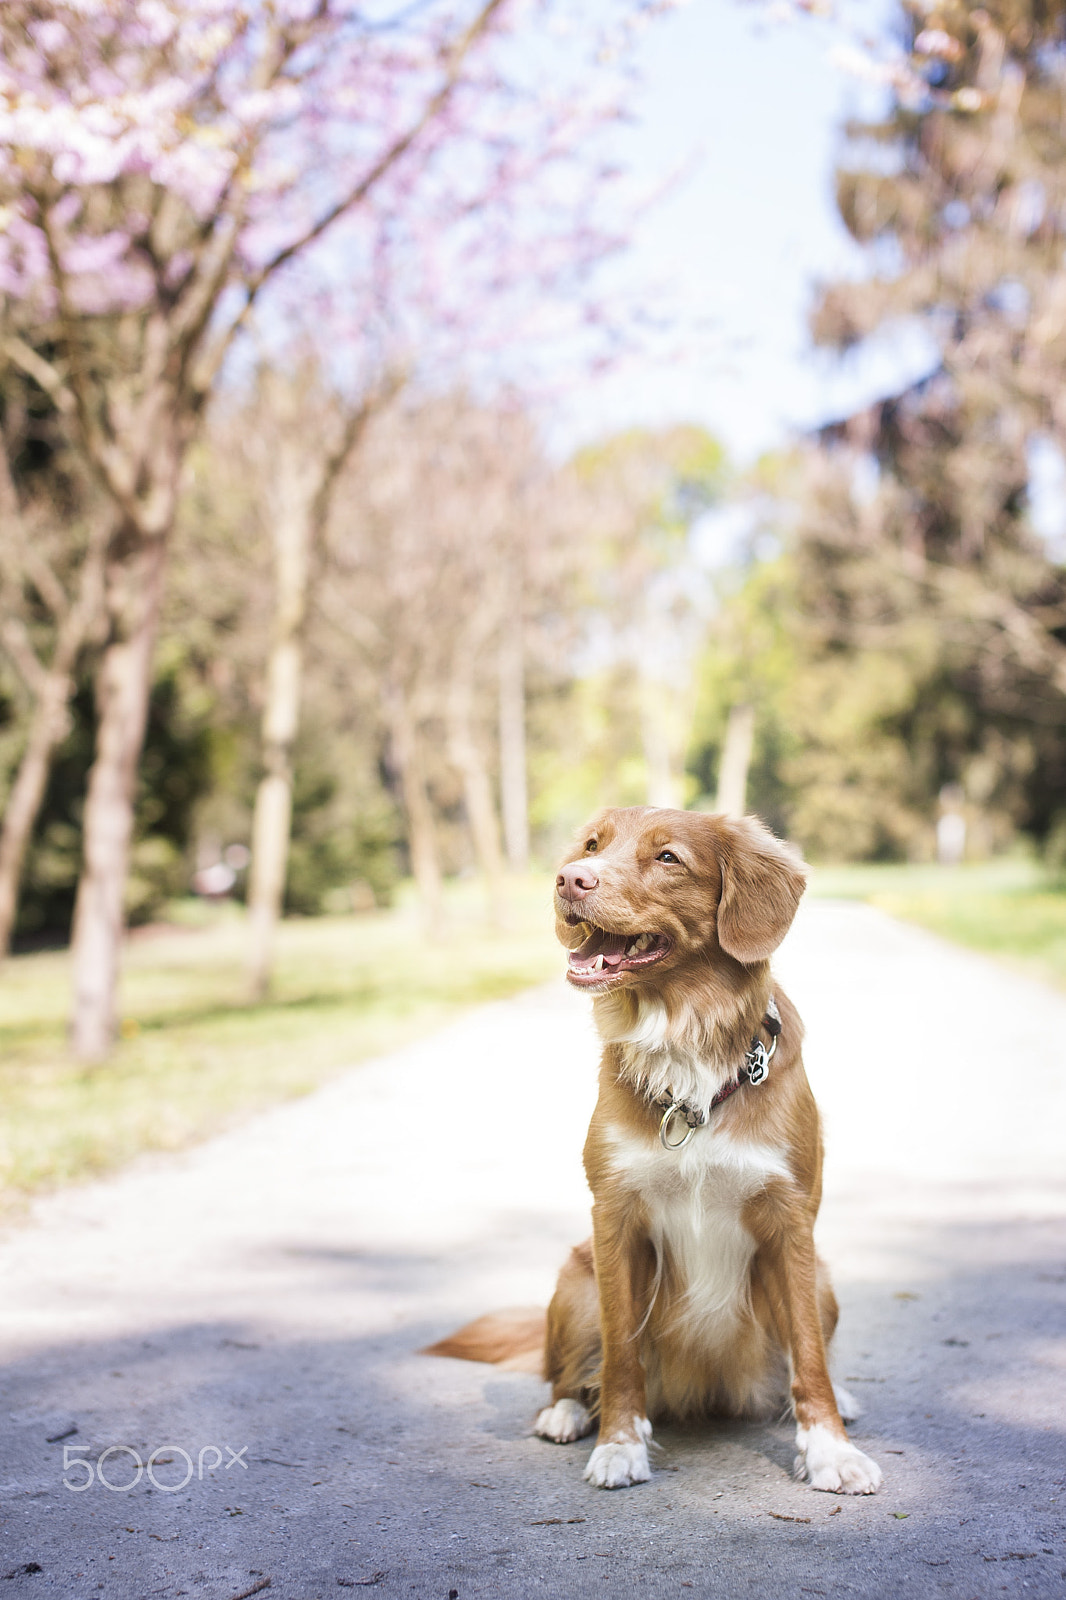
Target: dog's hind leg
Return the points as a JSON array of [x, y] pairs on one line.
[[573, 1352]]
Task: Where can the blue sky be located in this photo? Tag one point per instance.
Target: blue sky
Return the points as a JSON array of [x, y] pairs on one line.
[[741, 243]]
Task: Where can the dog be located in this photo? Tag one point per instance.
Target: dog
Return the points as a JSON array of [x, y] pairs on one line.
[[700, 1292]]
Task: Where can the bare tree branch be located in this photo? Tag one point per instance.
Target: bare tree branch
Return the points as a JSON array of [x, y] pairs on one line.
[[454, 59], [112, 467], [10, 508], [42, 372], [386, 389], [40, 573], [15, 638]]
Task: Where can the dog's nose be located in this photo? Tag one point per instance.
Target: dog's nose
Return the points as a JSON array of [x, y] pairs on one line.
[[576, 881]]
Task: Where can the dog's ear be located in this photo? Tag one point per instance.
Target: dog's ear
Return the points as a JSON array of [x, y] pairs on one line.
[[762, 881]]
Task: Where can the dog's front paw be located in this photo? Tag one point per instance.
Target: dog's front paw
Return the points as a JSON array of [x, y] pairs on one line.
[[834, 1464], [563, 1422], [618, 1462]]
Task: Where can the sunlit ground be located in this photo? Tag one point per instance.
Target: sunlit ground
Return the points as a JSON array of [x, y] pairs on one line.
[[195, 1055]]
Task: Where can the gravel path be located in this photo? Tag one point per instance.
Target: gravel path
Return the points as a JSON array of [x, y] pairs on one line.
[[257, 1304]]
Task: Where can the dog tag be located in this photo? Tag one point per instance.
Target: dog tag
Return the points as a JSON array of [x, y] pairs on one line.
[[758, 1061]]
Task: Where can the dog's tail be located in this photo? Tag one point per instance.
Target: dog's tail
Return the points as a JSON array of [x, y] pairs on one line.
[[512, 1339]]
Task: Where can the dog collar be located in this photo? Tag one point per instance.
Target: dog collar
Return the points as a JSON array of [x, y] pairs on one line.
[[755, 1070]]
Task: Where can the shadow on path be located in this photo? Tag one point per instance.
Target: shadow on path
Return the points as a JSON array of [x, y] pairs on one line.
[[363, 1465]]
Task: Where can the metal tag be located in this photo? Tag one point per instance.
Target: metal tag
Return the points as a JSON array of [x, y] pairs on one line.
[[758, 1060]]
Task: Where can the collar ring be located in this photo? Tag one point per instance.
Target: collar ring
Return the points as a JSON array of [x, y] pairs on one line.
[[664, 1127]]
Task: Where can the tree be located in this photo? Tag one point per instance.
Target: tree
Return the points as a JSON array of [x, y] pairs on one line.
[[915, 539], [648, 491], [53, 534], [749, 663], [221, 621], [296, 438], [429, 569], [164, 164]]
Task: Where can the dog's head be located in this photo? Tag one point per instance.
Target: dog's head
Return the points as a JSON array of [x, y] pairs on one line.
[[646, 892]]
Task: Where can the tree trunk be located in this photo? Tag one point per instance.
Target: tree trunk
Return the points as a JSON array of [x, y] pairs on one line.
[[736, 759], [514, 791], [421, 827], [305, 482], [134, 590], [47, 727], [477, 792], [272, 824]]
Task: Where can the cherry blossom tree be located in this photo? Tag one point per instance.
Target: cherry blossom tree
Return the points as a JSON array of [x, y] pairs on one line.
[[165, 165]]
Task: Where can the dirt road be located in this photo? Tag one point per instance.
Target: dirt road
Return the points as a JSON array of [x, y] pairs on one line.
[[250, 1313]]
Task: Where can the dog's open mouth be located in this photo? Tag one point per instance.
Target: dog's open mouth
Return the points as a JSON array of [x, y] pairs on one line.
[[604, 956]]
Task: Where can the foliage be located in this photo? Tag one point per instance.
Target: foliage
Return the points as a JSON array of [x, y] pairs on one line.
[[915, 548], [909, 639], [451, 527], [53, 530], [164, 166], [751, 656], [175, 774], [585, 752], [643, 598], [860, 722], [346, 834]]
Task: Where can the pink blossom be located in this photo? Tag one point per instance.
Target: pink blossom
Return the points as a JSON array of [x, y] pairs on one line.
[[301, 130]]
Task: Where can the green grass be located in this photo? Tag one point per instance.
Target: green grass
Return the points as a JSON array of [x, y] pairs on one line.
[[1005, 908], [194, 1056]]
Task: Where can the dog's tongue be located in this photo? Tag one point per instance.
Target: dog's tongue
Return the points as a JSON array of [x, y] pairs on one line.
[[611, 946]]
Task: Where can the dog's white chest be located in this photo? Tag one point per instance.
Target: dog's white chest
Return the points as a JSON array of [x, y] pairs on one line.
[[694, 1200]]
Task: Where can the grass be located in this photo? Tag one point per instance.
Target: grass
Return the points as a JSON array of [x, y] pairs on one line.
[[1005, 908], [194, 1056]]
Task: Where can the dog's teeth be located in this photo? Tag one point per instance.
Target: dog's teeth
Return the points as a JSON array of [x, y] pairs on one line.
[[597, 965]]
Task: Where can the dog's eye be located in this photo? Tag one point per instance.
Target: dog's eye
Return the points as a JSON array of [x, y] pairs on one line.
[[590, 845], [669, 857]]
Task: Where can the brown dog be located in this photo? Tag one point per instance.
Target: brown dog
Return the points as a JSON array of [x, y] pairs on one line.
[[700, 1291]]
